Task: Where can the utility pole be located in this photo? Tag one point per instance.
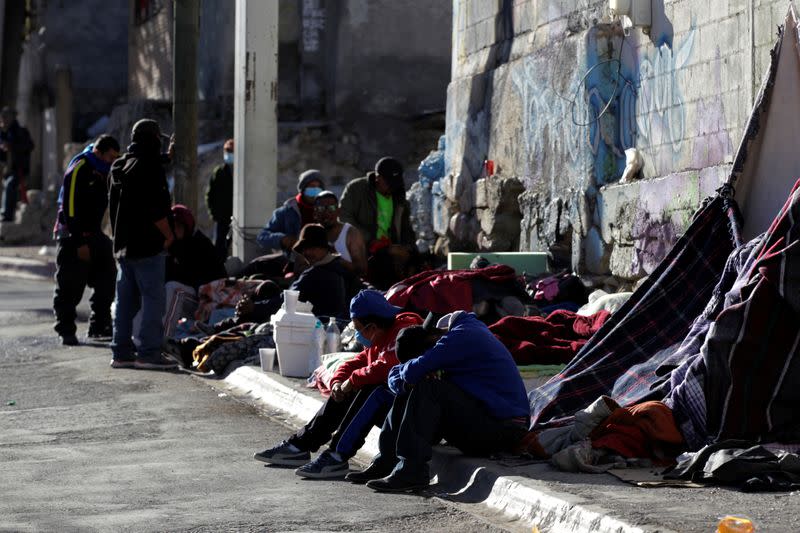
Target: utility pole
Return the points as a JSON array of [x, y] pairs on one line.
[[255, 122], [186, 30]]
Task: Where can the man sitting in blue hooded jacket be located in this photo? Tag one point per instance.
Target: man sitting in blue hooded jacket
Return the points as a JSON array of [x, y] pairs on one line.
[[458, 382]]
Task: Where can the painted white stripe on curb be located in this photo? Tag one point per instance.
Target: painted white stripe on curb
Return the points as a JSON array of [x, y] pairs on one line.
[[516, 498]]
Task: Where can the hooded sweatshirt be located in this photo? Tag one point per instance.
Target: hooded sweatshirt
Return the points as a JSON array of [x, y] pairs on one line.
[[472, 358], [139, 197], [83, 198], [371, 366]]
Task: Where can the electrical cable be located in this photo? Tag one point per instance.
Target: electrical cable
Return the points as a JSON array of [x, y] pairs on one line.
[[574, 100]]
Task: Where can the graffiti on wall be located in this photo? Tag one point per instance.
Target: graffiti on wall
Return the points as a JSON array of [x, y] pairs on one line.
[[564, 128], [657, 108]]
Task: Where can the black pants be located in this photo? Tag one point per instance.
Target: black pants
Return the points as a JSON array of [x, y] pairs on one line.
[[348, 421], [72, 277], [221, 241], [436, 410]]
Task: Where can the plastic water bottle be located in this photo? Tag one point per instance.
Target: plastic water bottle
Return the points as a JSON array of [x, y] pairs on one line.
[[332, 337], [735, 524], [317, 345]]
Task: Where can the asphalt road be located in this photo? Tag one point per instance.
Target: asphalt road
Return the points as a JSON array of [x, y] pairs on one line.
[[84, 447]]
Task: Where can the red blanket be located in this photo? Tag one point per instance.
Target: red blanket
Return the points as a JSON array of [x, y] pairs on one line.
[[547, 341], [445, 291], [644, 430]]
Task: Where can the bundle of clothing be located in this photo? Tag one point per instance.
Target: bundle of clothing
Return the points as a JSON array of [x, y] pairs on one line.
[[562, 291], [221, 293], [492, 292], [605, 435], [727, 372], [550, 340]]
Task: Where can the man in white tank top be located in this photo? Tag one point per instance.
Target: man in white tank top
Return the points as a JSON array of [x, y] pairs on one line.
[[346, 239]]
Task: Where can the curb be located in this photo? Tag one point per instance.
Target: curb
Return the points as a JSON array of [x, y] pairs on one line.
[[22, 268], [524, 501]]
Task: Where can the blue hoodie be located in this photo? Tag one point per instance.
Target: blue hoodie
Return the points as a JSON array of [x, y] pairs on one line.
[[471, 357]]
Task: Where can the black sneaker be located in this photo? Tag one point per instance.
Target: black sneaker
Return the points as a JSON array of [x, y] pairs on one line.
[[394, 484], [123, 362], [283, 455], [100, 333], [373, 471], [325, 466], [156, 363], [69, 340]]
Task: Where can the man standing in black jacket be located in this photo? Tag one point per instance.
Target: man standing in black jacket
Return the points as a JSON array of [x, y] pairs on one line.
[[83, 253], [16, 146], [219, 199], [140, 223]]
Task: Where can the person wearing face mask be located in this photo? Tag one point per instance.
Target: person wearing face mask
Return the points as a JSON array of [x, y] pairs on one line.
[[345, 238], [219, 199], [83, 253], [140, 202], [282, 229], [356, 402]]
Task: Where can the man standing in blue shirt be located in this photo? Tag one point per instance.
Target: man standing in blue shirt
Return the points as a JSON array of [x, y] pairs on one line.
[[458, 383]]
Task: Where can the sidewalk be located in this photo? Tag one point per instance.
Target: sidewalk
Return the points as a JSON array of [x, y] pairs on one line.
[[522, 494], [535, 494], [25, 262]]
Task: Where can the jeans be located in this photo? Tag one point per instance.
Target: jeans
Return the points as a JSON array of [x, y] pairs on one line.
[[345, 424], [10, 191], [435, 410], [72, 277], [140, 286]]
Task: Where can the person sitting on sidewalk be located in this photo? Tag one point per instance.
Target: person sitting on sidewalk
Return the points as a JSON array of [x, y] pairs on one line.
[[282, 230], [327, 285], [346, 238], [192, 259], [357, 396], [461, 385], [376, 204]]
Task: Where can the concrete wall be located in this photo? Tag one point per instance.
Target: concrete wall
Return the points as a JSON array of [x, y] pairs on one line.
[[90, 38], [150, 53], [392, 64], [530, 78]]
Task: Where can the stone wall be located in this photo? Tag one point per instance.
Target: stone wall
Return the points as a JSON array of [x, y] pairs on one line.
[[554, 94], [150, 52]]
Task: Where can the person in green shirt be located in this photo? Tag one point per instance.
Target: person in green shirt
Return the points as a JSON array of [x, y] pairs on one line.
[[376, 204]]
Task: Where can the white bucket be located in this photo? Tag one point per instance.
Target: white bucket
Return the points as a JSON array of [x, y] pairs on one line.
[[293, 359], [267, 359], [290, 301]]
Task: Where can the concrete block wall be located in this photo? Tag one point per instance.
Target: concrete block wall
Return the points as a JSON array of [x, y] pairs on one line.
[[530, 77], [150, 55]]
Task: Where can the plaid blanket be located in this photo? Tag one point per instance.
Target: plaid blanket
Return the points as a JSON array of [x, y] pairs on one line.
[[686, 395], [751, 351], [621, 359]]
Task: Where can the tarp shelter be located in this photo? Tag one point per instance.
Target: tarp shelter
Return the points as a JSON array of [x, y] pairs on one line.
[[767, 163], [631, 357]]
